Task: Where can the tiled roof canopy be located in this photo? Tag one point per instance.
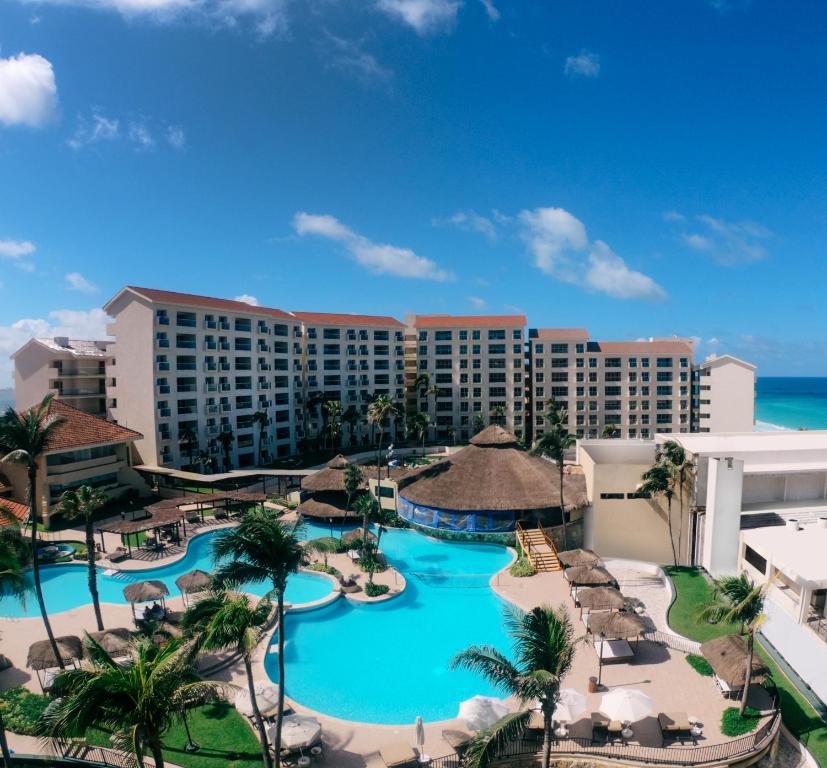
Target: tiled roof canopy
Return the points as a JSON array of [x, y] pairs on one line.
[[333, 318], [207, 302], [77, 428], [468, 321]]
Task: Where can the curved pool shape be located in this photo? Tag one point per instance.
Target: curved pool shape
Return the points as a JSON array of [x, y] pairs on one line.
[[389, 662], [65, 586]]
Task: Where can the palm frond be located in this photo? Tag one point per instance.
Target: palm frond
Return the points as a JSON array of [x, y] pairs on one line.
[[491, 664], [486, 745]]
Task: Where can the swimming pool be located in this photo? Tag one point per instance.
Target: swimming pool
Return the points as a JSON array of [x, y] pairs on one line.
[[65, 586], [389, 662]]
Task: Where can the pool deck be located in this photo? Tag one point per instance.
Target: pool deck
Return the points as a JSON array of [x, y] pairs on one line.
[[663, 674]]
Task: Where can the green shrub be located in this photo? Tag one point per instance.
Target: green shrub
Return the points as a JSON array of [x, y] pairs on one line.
[[22, 709], [521, 568], [700, 665], [322, 568], [732, 724], [371, 564], [374, 590]]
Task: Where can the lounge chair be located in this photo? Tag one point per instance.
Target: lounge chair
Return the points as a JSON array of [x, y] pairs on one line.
[[193, 517], [398, 755], [457, 740], [600, 726], [220, 514], [119, 554], [675, 726]]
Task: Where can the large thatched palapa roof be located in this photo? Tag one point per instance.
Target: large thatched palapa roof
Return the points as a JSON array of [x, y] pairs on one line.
[[492, 474], [326, 505], [728, 656], [329, 479], [41, 655]]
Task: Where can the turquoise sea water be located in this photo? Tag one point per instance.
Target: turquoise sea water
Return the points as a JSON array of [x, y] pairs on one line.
[[791, 403], [389, 662], [65, 586]]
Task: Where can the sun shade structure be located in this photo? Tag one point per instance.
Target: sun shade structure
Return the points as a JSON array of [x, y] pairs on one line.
[[328, 497], [193, 581], [299, 732], [116, 642], [601, 599], [356, 535], [570, 705], [487, 486], [626, 705], [728, 656], [267, 698], [144, 591], [575, 557], [589, 576], [41, 656], [481, 712], [616, 625]]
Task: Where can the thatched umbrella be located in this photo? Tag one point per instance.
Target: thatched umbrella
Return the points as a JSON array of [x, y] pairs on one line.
[[616, 625], [589, 576], [41, 656], [116, 642], [728, 656], [601, 599], [574, 557], [356, 535], [144, 591], [193, 581]]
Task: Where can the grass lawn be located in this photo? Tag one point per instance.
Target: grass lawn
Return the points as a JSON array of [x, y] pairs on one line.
[[693, 589], [225, 738]]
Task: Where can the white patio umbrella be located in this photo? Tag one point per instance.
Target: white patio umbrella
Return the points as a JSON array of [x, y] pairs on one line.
[[420, 733], [298, 732], [481, 712], [570, 705], [267, 698], [626, 705]]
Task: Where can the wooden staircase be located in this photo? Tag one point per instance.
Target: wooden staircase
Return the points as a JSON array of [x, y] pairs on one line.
[[538, 547]]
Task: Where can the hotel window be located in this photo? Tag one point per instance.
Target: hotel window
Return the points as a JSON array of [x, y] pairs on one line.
[[463, 349], [644, 376], [443, 349], [518, 377], [611, 391], [423, 336], [559, 362], [538, 363], [664, 376], [477, 407], [579, 377], [462, 363], [476, 364], [612, 376], [538, 349], [559, 349], [442, 336], [540, 391], [579, 362], [632, 376], [497, 363], [496, 335], [517, 349], [559, 392], [612, 405], [463, 378], [612, 496], [664, 391], [517, 333], [496, 349], [633, 362], [496, 392], [496, 378], [580, 392], [592, 362], [755, 560], [664, 418], [475, 349], [579, 348], [611, 362], [475, 335], [644, 362], [538, 377], [559, 376], [664, 362], [463, 335], [684, 362]]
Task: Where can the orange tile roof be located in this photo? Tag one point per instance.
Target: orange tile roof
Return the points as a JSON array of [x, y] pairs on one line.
[[657, 346], [208, 302], [78, 428], [334, 318], [468, 321], [560, 334], [18, 510]]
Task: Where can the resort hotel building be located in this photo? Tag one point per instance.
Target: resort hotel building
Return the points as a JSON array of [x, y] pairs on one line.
[[223, 384]]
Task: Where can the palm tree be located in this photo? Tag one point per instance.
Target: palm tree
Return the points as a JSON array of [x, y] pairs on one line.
[[351, 418], [138, 699], [82, 504], [262, 420], [324, 546], [383, 518], [227, 438], [15, 556], [364, 505], [333, 411], [311, 401], [204, 461], [543, 650], [260, 548], [610, 431], [420, 422], [452, 433], [659, 480], [554, 443], [188, 437], [353, 481], [24, 437], [222, 620], [498, 415], [380, 410], [738, 600], [478, 423], [674, 454]]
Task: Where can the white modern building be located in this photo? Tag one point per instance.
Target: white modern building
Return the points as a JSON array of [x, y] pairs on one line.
[[723, 395]]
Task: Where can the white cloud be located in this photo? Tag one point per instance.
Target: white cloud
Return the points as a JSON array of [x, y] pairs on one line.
[[247, 299], [478, 302], [75, 281], [584, 64], [91, 131], [176, 137], [423, 16], [348, 56], [140, 136], [673, 216], [28, 93], [491, 10], [728, 242], [378, 258], [62, 322], [470, 221], [560, 245], [17, 251]]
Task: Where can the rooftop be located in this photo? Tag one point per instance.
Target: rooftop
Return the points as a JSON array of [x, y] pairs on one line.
[[798, 553], [77, 428], [334, 318], [76, 347], [643, 346], [811, 445], [204, 302], [558, 334], [468, 321]]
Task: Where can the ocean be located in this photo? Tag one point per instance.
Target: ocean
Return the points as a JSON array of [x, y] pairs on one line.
[[790, 403]]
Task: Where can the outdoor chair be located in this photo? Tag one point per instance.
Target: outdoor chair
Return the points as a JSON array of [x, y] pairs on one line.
[[220, 514], [675, 726], [398, 755], [600, 726], [119, 554]]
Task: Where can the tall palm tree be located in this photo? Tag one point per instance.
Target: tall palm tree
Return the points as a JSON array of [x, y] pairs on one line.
[[351, 417], [673, 453], [477, 423], [204, 461], [554, 443], [82, 504], [138, 699], [261, 549], [738, 600], [659, 480], [262, 420], [223, 619], [15, 556], [310, 404], [380, 411], [498, 415], [610, 431], [543, 647], [420, 422], [333, 411], [227, 438], [353, 482], [188, 438], [24, 437], [365, 505]]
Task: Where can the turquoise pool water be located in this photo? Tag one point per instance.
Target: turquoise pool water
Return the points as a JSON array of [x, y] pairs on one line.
[[388, 662], [65, 586]]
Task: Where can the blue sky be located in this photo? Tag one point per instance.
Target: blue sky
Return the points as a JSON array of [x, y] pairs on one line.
[[639, 168]]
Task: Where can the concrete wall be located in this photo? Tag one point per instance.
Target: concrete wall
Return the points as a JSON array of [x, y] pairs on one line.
[[32, 375], [722, 532], [727, 397]]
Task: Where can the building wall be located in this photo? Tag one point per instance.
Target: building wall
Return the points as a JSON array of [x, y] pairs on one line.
[[726, 397], [32, 375]]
